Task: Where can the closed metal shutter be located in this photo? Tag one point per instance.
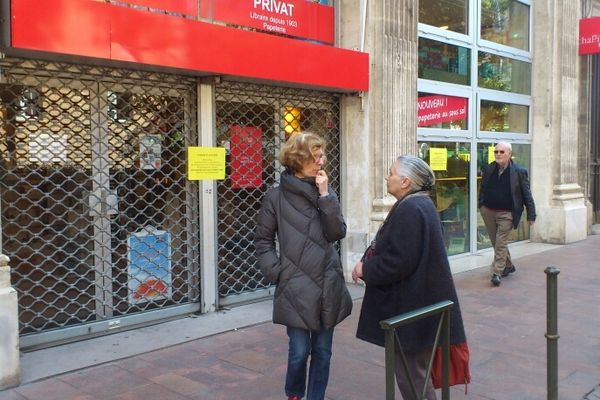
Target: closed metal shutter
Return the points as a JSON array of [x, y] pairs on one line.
[[252, 122], [98, 218]]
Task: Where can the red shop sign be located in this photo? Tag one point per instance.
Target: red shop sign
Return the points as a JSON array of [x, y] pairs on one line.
[[299, 18], [589, 36], [435, 109], [246, 157], [185, 7]]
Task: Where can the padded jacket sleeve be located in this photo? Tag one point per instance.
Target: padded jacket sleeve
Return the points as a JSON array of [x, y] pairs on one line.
[[332, 220], [264, 237]]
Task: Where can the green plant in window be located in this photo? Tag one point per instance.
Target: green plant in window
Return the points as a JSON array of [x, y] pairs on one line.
[[495, 82], [495, 5], [490, 73], [177, 140], [494, 19], [493, 116], [494, 13]]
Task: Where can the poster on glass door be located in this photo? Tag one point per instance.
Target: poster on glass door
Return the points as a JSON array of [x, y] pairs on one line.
[[150, 152], [149, 267], [246, 157]]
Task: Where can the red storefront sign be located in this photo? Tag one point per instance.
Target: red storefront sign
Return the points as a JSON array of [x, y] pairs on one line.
[[589, 36], [435, 109], [185, 7], [89, 28], [299, 18], [246, 157]]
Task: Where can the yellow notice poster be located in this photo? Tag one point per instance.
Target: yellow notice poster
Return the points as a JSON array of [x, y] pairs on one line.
[[491, 157], [438, 159], [206, 163]]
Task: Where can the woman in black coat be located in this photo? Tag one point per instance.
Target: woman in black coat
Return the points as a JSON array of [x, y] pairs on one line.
[[408, 269], [311, 297]]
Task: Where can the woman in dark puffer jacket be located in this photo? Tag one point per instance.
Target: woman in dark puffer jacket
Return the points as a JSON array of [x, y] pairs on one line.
[[311, 297]]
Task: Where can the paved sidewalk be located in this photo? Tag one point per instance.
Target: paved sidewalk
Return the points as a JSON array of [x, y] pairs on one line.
[[505, 328], [594, 394]]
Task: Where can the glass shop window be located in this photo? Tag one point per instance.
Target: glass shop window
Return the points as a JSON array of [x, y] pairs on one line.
[[503, 117], [442, 111], [452, 15], [444, 62], [450, 162], [505, 22], [521, 154], [503, 73]]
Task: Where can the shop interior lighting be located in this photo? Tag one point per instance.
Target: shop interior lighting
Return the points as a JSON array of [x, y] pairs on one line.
[[291, 119]]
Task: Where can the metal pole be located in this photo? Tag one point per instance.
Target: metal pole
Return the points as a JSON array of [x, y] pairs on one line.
[[446, 356], [390, 367], [552, 331]]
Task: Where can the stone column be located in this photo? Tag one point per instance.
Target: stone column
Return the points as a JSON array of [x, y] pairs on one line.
[[380, 124], [393, 94], [9, 333], [562, 213]]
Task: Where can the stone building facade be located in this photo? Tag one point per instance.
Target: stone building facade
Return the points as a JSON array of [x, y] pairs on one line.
[[554, 142]]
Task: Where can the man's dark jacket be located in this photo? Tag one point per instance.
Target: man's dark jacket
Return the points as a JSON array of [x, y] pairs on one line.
[[311, 290], [520, 192]]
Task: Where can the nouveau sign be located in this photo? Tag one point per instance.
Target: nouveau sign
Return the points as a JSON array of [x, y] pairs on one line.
[[299, 18], [589, 36], [436, 109]]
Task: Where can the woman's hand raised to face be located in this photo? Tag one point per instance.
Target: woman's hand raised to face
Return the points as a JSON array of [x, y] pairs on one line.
[[322, 182]]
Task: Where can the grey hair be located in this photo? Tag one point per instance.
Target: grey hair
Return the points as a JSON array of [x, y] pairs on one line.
[[505, 144], [418, 171]]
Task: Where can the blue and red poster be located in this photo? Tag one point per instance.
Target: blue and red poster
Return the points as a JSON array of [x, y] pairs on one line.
[[149, 270]]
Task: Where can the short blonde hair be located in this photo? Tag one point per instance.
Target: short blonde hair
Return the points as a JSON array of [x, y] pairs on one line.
[[299, 148]]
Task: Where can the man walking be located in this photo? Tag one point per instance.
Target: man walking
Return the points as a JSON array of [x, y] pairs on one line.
[[503, 192]]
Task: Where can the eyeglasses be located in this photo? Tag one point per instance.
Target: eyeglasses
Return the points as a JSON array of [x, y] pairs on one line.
[[498, 151], [320, 158]]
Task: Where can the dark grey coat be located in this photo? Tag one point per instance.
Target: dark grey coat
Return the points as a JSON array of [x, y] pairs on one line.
[[311, 291], [409, 270]]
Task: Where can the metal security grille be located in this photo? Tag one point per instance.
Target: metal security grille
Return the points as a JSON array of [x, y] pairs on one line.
[[252, 122], [98, 218]]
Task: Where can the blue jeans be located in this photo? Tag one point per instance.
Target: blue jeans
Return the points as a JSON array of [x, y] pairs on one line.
[[302, 344]]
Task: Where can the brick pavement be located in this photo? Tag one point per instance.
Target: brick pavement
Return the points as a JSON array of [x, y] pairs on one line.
[[594, 394], [505, 327]]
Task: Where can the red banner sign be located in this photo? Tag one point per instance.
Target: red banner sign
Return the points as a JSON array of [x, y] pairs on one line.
[[124, 34], [589, 36], [299, 18], [435, 109], [246, 157], [185, 7]]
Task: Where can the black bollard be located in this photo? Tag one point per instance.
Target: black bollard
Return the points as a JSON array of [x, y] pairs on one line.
[[552, 331]]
